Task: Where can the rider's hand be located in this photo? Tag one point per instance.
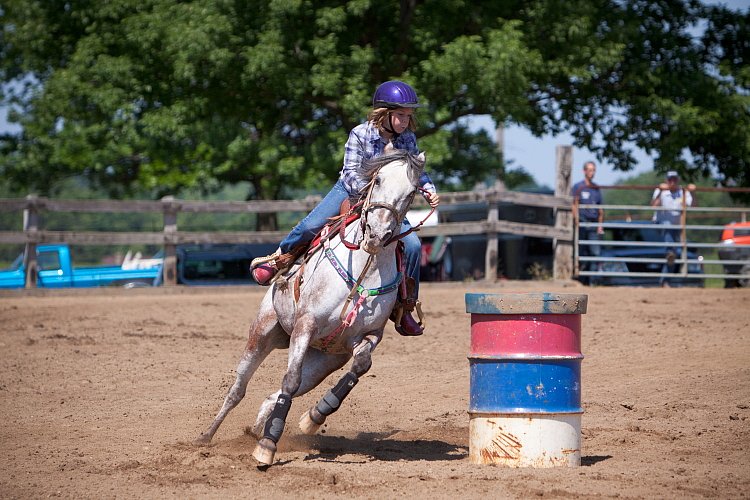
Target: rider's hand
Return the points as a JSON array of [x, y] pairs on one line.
[[664, 186], [433, 199], [691, 187]]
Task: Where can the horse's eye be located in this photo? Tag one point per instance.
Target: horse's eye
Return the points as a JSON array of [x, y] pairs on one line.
[[377, 181]]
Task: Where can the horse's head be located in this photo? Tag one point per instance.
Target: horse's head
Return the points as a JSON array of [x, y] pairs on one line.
[[393, 182]]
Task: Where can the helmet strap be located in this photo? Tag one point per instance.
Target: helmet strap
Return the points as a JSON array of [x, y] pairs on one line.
[[389, 127]]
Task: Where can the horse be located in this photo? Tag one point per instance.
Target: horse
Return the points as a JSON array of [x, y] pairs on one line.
[[310, 309]]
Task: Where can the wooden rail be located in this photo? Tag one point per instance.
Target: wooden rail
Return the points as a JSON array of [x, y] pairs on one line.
[[33, 235]]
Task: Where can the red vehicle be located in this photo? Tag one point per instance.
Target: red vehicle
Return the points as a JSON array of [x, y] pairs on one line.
[[736, 240]]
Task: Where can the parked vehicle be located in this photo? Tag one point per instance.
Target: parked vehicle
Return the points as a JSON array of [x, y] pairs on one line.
[[518, 257], [205, 264], [625, 266], [218, 264], [636, 265], [736, 240], [55, 270]]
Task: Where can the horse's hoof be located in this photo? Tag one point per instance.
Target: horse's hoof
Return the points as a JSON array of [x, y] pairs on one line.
[[307, 425], [265, 451]]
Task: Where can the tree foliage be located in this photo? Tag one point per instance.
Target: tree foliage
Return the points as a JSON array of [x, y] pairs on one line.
[[159, 95]]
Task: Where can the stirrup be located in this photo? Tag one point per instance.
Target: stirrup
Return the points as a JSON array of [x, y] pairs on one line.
[[398, 314], [262, 260], [418, 307]]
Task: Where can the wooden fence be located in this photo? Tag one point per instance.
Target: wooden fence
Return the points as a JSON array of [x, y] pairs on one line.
[[33, 234]]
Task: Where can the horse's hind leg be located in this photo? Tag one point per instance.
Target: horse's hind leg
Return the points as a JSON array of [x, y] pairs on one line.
[[265, 335], [312, 420]]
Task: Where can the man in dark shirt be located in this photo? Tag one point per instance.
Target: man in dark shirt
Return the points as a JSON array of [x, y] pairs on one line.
[[586, 195]]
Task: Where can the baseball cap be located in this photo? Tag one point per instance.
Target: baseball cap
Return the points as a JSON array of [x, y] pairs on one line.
[[672, 173]]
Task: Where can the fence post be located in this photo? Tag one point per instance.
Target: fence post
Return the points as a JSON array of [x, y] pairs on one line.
[[491, 255], [169, 268], [30, 225], [563, 265], [683, 234]]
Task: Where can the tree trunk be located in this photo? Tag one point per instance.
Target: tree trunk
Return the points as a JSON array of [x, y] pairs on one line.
[[266, 222]]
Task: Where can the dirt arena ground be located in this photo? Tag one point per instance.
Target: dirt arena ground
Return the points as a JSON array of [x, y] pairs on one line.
[[103, 391]]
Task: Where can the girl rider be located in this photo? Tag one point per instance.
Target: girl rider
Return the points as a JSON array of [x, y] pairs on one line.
[[390, 125]]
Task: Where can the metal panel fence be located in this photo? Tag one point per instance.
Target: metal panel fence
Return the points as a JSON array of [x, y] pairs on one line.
[[618, 257]]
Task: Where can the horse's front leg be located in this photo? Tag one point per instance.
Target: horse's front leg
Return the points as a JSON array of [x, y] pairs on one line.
[[304, 329], [312, 420], [315, 368], [265, 335]]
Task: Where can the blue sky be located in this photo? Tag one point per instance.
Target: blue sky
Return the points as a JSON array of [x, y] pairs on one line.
[[537, 155]]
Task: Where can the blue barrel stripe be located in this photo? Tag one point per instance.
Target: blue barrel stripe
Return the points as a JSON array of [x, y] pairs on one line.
[[525, 386]]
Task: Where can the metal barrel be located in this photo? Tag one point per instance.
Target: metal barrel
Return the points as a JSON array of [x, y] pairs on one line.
[[525, 379]]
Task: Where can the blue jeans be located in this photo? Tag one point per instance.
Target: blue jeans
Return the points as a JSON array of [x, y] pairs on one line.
[[307, 228], [412, 254], [670, 236]]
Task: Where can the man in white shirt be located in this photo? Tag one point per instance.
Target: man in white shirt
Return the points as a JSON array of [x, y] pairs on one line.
[[670, 195]]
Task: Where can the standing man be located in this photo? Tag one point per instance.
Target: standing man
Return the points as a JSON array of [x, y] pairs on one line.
[[669, 195], [586, 195]]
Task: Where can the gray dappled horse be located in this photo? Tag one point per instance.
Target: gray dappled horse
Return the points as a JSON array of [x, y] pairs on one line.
[[312, 326]]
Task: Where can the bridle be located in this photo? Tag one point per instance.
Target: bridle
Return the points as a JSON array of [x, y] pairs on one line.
[[367, 206]]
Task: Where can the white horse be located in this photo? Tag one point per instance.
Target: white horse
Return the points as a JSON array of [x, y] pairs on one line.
[[336, 310]]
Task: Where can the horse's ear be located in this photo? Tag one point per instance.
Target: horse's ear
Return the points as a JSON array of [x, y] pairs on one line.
[[421, 157]]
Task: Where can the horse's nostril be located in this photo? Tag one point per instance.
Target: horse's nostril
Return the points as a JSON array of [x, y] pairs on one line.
[[387, 235]]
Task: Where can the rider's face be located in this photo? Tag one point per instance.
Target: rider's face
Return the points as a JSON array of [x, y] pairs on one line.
[[400, 119]]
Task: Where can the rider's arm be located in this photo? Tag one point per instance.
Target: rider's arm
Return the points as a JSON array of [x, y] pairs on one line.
[[354, 153]]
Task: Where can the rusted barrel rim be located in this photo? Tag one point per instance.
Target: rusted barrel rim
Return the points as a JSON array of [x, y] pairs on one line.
[[526, 303]]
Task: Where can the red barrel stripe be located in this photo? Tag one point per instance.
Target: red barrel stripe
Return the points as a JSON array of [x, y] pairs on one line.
[[526, 334]]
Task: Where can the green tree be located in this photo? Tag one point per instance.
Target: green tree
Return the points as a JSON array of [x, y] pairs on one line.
[[157, 95]]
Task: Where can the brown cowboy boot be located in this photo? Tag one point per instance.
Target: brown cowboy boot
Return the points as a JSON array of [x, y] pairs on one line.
[[405, 323], [265, 269]]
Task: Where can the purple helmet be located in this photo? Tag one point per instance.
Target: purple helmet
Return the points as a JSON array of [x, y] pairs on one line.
[[395, 94]]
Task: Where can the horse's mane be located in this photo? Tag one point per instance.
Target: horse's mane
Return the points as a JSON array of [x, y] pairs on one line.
[[414, 167]]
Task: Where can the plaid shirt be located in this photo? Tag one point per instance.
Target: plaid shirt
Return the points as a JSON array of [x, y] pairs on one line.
[[365, 142]]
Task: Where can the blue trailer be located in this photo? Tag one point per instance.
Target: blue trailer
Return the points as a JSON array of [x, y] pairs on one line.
[[55, 270]]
